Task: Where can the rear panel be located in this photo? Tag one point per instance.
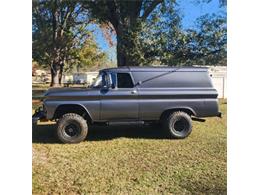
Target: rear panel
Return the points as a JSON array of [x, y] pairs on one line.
[[160, 91], [179, 79]]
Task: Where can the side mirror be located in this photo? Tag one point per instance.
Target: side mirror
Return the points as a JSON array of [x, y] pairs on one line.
[[113, 86], [109, 86]]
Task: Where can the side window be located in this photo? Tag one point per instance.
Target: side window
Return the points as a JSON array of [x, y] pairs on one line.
[[124, 80]]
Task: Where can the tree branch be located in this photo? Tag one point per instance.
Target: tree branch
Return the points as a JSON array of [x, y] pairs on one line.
[[138, 6], [150, 8], [67, 15], [113, 13]]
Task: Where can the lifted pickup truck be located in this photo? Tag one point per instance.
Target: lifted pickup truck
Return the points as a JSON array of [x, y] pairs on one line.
[[133, 95]]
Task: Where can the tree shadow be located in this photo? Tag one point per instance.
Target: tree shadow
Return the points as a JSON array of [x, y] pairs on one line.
[[136, 132], [45, 133]]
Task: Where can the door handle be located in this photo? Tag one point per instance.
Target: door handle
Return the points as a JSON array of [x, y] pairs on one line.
[[134, 92]]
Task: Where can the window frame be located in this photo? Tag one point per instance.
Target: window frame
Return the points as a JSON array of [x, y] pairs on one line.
[[129, 73]]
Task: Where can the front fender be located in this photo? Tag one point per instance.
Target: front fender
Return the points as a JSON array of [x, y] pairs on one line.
[[52, 106]]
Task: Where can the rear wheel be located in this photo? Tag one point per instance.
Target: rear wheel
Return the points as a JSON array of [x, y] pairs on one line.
[[72, 128], [178, 125]]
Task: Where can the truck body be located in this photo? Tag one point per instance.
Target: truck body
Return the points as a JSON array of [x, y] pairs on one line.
[[136, 95]]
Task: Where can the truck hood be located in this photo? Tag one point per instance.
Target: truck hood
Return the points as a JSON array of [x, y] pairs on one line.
[[52, 91], [66, 92]]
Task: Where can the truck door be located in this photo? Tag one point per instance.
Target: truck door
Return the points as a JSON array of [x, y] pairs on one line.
[[119, 102]]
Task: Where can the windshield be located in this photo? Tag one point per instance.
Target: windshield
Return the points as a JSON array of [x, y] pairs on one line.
[[103, 80], [98, 81]]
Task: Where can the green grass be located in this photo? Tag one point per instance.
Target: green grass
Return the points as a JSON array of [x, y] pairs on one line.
[[132, 160]]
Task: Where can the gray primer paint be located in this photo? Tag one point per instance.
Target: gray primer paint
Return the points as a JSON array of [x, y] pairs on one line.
[[156, 90]]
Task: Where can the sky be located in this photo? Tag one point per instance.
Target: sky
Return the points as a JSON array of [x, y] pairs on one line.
[[189, 9]]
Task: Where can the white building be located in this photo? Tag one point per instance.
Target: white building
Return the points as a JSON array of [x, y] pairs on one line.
[[219, 79], [91, 77], [80, 77]]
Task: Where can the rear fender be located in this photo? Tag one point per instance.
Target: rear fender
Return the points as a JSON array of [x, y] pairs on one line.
[[188, 110]]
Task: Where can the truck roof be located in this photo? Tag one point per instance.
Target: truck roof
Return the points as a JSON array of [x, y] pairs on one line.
[[156, 69]]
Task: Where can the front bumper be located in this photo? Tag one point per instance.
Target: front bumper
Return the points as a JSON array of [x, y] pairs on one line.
[[38, 115]]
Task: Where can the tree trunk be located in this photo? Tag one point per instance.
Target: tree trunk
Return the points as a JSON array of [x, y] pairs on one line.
[[54, 76], [128, 52], [56, 71], [121, 54], [55, 66], [61, 71]]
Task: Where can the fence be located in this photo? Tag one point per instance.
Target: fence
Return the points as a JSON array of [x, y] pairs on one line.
[[220, 83]]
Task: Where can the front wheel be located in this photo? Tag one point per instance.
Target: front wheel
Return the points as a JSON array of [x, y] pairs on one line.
[[178, 125], [72, 128]]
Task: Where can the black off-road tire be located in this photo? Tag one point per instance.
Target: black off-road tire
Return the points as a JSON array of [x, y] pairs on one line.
[[178, 125], [72, 128]]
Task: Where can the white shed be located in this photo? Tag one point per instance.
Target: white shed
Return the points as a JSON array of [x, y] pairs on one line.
[[80, 77], [219, 79]]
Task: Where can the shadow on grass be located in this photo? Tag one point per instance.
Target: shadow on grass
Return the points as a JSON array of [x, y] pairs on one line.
[[46, 133]]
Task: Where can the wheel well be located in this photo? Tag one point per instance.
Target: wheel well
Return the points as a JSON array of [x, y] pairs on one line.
[[167, 112], [71, 108]]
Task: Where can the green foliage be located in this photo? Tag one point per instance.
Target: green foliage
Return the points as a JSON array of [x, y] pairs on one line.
[[86, 56], [211, 40], [41, 33], [160, 28], [127, 18], [60, 36], [89, 55], [158, 37], [148, 32], [165, 42]]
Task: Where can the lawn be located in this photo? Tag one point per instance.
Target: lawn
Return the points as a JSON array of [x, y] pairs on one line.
[[132, 160]]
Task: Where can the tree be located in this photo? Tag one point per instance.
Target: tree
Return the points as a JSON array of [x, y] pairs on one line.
[[162, 28], [129, 19], [86, 55], [164, 41], [56, 26], [126, 18], [211, 40], [204, 45]]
